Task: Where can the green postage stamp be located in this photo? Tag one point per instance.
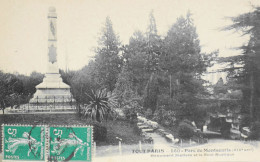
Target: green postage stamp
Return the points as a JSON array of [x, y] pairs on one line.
[[23, 143], [70, 143], [42, 143]]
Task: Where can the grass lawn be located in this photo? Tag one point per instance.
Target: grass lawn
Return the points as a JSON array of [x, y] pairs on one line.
[[118, 128]]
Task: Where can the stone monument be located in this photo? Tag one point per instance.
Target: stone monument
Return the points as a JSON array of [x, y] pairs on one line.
[[52, 89]]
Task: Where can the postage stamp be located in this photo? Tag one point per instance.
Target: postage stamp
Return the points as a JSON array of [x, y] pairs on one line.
[[23, 143], [70, 143]]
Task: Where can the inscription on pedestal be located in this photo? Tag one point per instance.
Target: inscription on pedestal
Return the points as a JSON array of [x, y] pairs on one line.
[[52, 54]]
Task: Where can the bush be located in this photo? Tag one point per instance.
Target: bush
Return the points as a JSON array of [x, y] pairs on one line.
[[215, 123], [165, 117], [225, 129], [121, 113], [245, 122], [100, 132], [186, 130], [199, 116], [101, 106], [130, 114], [157, 116], [255, 134], [137, 130], [148, 113]]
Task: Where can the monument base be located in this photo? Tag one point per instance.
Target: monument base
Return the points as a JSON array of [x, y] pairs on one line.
[[51, 90]]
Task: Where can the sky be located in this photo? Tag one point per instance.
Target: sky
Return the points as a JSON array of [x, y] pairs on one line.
[[24, 27]]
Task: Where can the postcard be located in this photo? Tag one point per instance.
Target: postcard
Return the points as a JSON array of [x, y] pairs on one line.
[[139, 80]]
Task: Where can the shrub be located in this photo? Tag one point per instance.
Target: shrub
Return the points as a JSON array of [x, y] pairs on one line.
[[130, 114], [255, 134], [225, 129], [137, 130], [186, 130], [245, 122], [215, 123], [148, 113], [120, 113], [199, 116], [164, 117], [101, 106], [100, 132], [157, 116]]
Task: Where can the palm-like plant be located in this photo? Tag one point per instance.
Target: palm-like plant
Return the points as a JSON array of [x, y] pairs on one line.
[[100, 106]]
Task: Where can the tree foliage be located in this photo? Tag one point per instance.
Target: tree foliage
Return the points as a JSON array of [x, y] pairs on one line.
[[107, 60], [183, 64], [153, 46], [16, 89], [151, 93], [244, 69], [135, 58], [219, 87]]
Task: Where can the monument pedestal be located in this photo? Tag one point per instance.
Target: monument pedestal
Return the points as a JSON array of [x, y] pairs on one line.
[[52, 89]]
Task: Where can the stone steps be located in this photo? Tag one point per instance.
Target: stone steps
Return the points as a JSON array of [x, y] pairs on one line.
[[147, 130], [143, 127]]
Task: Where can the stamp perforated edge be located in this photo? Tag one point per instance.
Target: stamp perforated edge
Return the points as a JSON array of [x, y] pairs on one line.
[[67, 126], [25, 125], [2, 127]]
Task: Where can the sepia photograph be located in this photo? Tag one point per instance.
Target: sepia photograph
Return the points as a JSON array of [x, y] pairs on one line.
[[130, 80]]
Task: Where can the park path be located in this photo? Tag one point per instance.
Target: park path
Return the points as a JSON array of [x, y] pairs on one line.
[[159, 140], [251, 155], [158, 143]]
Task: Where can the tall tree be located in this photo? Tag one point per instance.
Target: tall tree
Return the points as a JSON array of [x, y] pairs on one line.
[[245, 68], [107, 60], [184, 63], [135, 58], [126, 95], [10, 88], [142, 54], [151, 93], [83, 82], [153, 46]]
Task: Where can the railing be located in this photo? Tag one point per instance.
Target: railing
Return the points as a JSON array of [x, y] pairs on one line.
[[47, 104]]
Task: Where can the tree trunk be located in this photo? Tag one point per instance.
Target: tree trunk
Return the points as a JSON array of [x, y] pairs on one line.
[[80, 98], [251, 106], [170, 86], [3, 107]]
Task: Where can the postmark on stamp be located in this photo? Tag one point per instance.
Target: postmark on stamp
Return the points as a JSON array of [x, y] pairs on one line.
[[23, 143], [72, 143]]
